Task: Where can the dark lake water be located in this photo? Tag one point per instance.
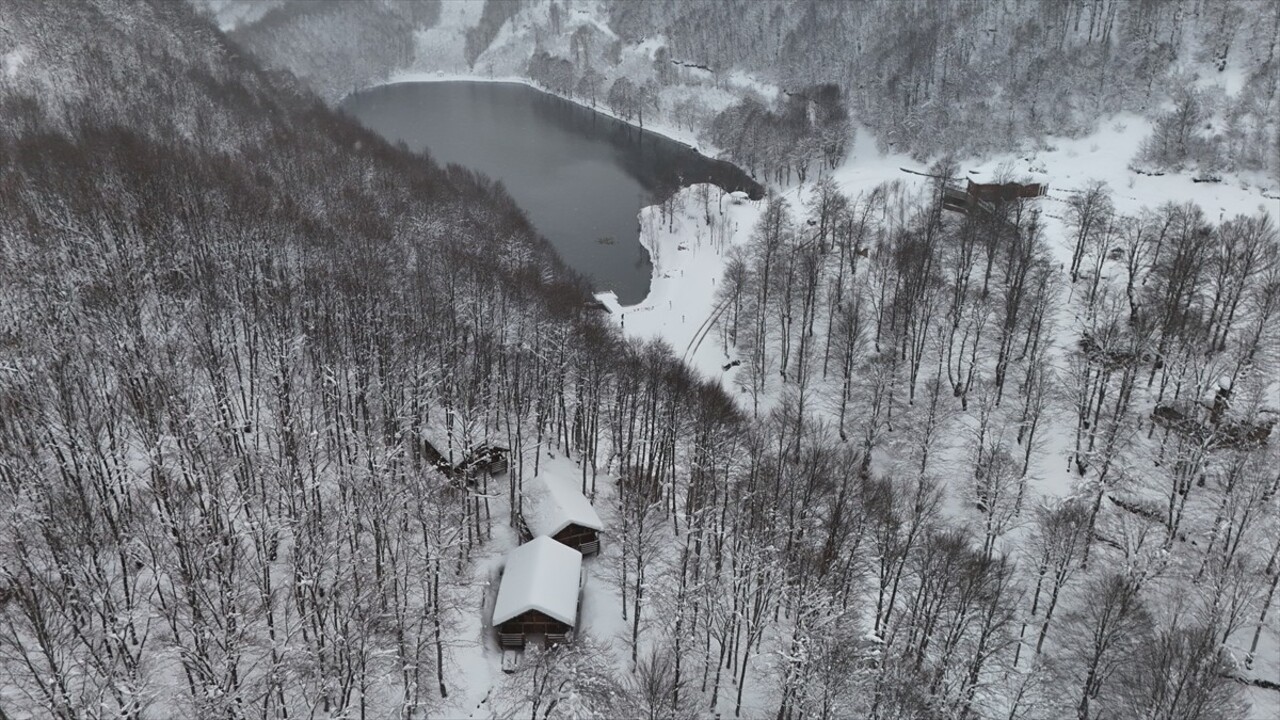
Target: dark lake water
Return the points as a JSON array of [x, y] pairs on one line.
[[580, 176]]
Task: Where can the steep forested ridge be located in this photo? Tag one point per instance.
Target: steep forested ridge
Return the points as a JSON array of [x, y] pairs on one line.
[[973, 77], [927, 77], [337, 47]]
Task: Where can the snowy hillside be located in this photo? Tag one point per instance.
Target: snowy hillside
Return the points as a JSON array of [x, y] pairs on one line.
[[699, 240], [1066, 165], [910, 437]]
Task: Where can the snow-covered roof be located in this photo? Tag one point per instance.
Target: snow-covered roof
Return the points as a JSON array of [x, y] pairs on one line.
[[554, 503], [540, 575]]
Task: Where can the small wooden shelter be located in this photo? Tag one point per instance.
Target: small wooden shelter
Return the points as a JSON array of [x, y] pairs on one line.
[[984, 196], [540, 591], [1005, 192], [1209, 423], [555, 507]]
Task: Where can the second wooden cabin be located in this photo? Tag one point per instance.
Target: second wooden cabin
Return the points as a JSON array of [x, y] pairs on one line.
[[555, 507], [491, 459]]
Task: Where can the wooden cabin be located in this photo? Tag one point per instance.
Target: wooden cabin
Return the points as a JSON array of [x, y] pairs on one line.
[[955, 199], [555, 507], [1005, 192], [539, 593]]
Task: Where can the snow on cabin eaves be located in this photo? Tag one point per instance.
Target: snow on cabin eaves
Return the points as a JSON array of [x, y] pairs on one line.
[[559, 504], [541, 575]]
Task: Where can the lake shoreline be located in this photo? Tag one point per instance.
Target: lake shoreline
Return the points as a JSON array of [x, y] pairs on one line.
[[559, 182]]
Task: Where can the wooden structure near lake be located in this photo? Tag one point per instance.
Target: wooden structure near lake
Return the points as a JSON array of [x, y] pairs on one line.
[[984, 196], [539, 594], [1006, 192]]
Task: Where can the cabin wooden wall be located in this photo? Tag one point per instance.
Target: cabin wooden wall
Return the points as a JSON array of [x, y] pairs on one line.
[[534, 622], [584, 540]]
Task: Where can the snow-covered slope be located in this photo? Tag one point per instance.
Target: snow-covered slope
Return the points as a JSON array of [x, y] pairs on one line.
[[690, 243], [689, 254]]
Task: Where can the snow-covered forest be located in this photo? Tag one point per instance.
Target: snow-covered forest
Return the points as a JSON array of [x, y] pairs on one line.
[[927, 77], [1014, 462]]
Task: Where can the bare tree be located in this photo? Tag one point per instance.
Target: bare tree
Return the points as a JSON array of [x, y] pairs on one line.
[[1106, 634], [564, 681], [1058, 542], [1181, 673], [655, 688], [1088, 212]]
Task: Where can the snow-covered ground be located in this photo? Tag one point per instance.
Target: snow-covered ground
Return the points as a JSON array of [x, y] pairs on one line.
[[1068, 165], [682, 294], [689, 253]]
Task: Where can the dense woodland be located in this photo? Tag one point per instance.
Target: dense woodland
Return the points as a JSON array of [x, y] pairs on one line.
[[936, 77], [225, 312], [335, 47], [917, 356], [228, 315]]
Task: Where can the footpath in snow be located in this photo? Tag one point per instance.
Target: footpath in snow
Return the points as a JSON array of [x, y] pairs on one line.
[[689, 251]]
